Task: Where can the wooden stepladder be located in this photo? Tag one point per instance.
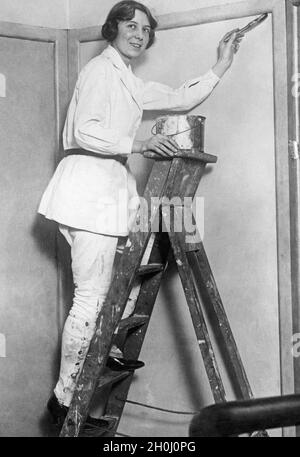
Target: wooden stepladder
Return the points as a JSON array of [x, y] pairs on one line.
[[178, 177]]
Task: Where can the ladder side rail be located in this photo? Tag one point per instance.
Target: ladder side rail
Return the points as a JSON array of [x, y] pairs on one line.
[[114, 306], [206, 284], [132, 348], [201, 331]]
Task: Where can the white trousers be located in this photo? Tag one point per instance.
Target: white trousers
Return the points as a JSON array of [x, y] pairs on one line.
[[92, 263]]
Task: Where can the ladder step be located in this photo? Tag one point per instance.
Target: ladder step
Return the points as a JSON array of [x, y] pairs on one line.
[[110, 377], [150, 269], [94, 431], [132, 322]]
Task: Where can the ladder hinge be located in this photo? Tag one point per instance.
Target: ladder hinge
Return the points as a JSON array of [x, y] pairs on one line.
[[294, 149]]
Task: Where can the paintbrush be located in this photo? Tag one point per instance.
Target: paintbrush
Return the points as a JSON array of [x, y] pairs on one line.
[[241, 32]]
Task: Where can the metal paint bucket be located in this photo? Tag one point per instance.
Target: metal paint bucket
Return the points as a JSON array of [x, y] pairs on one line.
[[187, 130]]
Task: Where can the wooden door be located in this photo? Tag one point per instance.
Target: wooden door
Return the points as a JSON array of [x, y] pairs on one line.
[[252, 199], [33, 97]]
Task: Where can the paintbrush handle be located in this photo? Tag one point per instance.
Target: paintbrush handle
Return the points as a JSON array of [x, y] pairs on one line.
[[249, 27]]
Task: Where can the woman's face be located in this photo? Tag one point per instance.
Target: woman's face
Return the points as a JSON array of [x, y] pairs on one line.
[[133, 36]]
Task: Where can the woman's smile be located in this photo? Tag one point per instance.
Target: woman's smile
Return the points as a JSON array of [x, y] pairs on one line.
[[136, 45]]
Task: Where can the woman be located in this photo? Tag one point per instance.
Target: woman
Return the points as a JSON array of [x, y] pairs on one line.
[[93, 180]]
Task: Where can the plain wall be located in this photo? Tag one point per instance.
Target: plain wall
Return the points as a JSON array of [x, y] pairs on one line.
[[43, 13], [84, 13], [69, 14]]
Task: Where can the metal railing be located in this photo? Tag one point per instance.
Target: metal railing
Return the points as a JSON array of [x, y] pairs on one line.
[[247, 416]]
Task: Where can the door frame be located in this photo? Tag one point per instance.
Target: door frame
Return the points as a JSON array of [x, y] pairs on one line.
[[285, 22]]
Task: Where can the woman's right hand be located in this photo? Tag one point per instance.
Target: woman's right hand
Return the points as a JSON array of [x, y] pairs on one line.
[[158, 147], [227, 48]]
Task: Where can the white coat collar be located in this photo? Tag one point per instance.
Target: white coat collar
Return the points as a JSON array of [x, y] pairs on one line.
[[126, 75], [112, 54]]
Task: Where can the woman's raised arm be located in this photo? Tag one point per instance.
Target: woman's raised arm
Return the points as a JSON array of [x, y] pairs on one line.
[[158, 96]]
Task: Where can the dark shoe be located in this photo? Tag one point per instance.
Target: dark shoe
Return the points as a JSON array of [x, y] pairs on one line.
[[59, 412], [119, 364]]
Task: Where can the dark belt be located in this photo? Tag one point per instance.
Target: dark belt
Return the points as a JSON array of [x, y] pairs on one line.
[[85, 152]]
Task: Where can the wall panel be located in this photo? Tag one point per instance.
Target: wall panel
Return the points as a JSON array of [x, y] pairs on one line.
[[34, 65]]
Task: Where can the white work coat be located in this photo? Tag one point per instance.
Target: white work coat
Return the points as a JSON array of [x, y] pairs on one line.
[[98, 194]]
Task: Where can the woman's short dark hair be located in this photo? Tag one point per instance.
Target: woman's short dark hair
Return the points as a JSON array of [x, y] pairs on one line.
[[125, 11]]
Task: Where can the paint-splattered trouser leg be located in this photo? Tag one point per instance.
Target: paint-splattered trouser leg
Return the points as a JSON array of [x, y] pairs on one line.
[[92, 261]]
